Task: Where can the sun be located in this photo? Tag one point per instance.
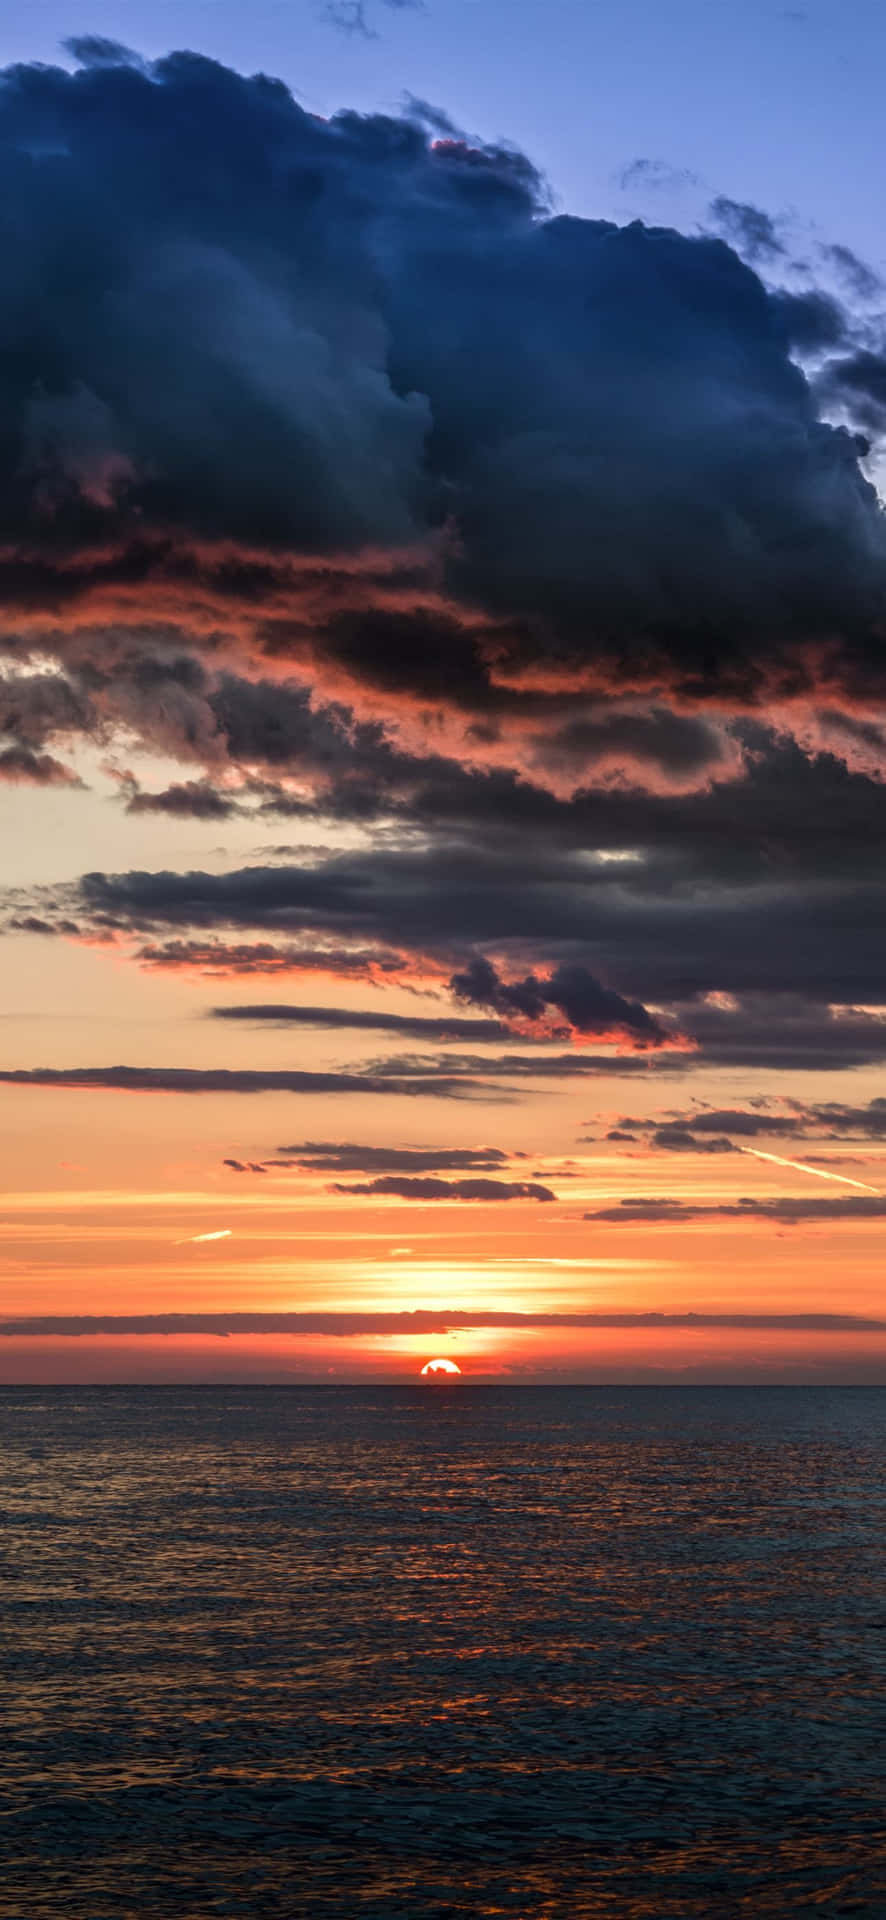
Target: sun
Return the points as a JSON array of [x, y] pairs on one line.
[[438, 1368]]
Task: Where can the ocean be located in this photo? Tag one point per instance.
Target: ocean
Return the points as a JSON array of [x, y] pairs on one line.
[[395, 1653]]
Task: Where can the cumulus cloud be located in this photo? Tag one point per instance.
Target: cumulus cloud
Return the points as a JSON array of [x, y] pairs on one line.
[[358, 413]]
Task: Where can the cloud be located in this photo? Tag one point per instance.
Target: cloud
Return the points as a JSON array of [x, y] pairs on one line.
[[542, 1065], [354, 1325], [856, 382], [235, 1080], [712, 902], [329, 1156], [791, 1119], [860, 279], [437, 1027], [750, 229], [185, 800], [703, 1129], [655, 175], [95, 50], [198, 1239], [833, 1119], [398, 1187], [787, 1211], [360, 486], [217, 958], [372, 389], [352, 16], [21, 766], [588, 1007], [813, 321], [681, 1140], [745, 1122], [758, 942]]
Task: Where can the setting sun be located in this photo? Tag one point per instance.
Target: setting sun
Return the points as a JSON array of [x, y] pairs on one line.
[[432, 1367]]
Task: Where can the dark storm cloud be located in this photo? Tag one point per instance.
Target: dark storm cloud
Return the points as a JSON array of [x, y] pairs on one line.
[[857, 382], [338, 471], [235, 330], [369, 1019], [798, 817], [237, 1080], [787, 953], [683, 746], [420, 1320], [787, 1032], [813, 321], [775, 899], [787, 1211], [399, 1187], [588, 1007]]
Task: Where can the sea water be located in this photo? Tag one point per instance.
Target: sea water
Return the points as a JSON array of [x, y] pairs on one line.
[[400, 1653]]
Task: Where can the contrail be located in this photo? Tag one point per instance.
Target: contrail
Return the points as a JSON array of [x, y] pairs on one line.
[[196, 1239], [802, 1167]]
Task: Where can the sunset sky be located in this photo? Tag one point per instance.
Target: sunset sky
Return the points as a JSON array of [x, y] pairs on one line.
[[442, 693]]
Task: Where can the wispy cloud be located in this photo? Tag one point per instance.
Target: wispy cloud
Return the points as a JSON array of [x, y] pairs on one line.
[[198, 1239], [788, 1211], [246, 1080]]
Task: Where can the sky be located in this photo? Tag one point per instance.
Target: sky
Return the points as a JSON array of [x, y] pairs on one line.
[[442, 684]]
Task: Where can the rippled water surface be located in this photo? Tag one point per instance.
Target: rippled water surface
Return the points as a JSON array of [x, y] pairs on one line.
[[420, 1652]]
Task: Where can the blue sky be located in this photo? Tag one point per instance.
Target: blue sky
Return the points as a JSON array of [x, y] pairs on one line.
[[763, 102]]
